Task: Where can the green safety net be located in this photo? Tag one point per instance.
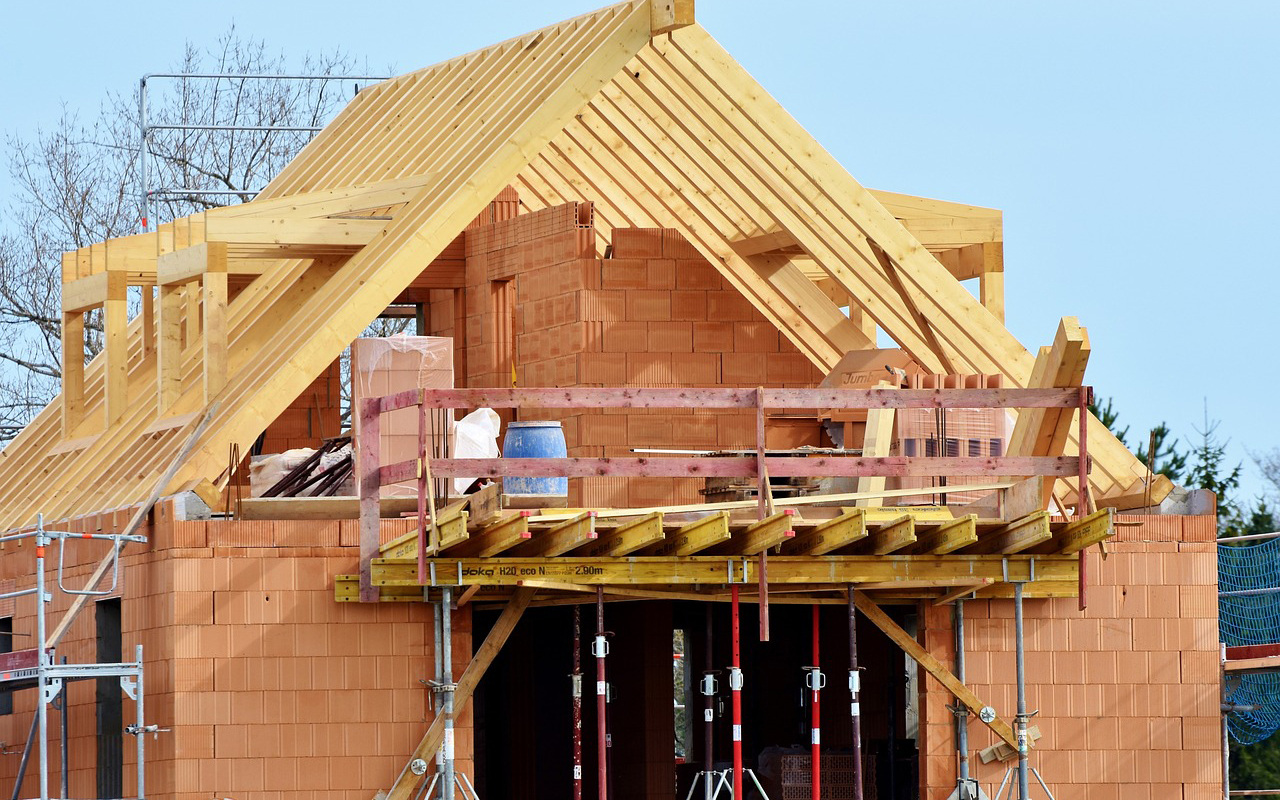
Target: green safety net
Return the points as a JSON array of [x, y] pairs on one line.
[[1251, 619]]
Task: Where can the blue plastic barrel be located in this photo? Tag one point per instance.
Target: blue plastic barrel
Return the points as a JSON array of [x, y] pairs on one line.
[[534, 440]]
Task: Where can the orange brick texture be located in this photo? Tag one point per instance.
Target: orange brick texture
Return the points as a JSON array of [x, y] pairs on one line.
[[270, 689], [1128, 690], [539, 302]]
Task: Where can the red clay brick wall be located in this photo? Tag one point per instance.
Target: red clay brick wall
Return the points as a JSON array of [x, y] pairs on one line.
[[1128, 690], [271, 689], [315, 414], [654, 314]]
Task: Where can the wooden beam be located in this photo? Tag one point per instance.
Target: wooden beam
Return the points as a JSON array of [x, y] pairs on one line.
[[759, 536], [947, 537], [668, 15], [505, 533], [1080, 534], [84, 294], [962, 591], [559, 538], [627, 538], [818, 540], [762, 243], [889, 537], [693, 537], [930, 664], [72, 372], [675, 570], [292, 231], [190, 263], [1016, 537], [403, 788]]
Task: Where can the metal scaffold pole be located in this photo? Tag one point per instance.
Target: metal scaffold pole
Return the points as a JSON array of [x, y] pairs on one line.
[[576, 678], [1024, 788], [855, 709], [600, 649], [446, 611], [735, 686], [708, 714], [816, 680], [42, 698]]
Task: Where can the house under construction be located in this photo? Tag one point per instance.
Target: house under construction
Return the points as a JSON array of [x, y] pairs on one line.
[[767, 558]]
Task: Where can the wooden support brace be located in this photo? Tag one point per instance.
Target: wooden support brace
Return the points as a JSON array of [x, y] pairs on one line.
[[930, 664], [1076, 536]]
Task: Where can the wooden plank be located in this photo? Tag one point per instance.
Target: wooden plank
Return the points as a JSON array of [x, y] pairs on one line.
[[1137, 495], [1016, 537], [930, 664], [810, 500], [889, 537], [293, 231], [759, 536], [733, 466], [627, 538], [693, 537], [406, 782], [849, 527], [451, 523], [781, 399], [762, 243], [559, 538], [947, 537], [506, 532], [877, 443], [674, 569]]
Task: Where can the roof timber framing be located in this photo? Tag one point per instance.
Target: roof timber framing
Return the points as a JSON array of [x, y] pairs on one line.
[[666, 131]]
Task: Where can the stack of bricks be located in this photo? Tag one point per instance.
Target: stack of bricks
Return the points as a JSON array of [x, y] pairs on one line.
[[655, 313], [266, 687], [1127, 690]]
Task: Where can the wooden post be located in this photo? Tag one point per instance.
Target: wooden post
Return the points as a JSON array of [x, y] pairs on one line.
[[369, 457], [169, 354], [115, 335], [765, 509], [215, 319], [148, 320], [72, 372], [876, 442]]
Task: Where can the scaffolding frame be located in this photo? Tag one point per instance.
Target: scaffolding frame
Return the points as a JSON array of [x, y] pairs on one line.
[[38, 668]]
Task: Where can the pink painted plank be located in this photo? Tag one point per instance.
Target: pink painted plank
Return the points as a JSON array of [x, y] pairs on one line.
[[589, 397], [890, 466]]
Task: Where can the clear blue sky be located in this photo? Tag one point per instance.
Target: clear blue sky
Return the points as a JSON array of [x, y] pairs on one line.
[[1131, 146]]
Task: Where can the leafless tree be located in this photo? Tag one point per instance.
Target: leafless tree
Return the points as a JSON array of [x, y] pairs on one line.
[[77, 182]]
